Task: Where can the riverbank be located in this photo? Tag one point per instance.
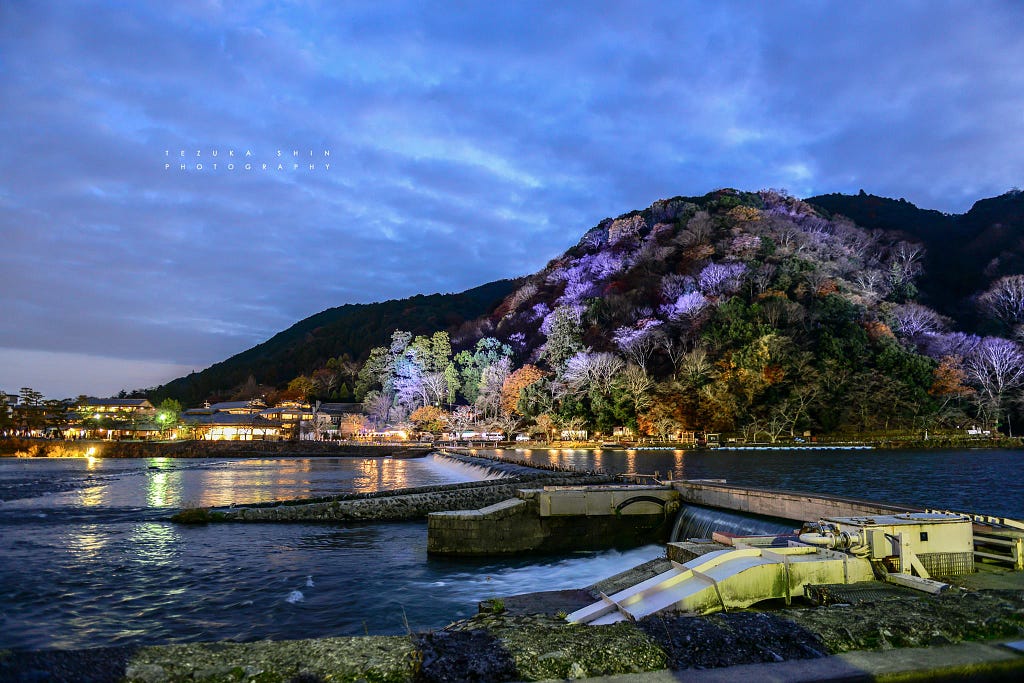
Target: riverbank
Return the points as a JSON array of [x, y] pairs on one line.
[[885, 632], [189, 449]]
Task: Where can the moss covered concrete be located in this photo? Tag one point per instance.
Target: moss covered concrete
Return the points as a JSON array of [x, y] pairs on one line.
[[375, 659]]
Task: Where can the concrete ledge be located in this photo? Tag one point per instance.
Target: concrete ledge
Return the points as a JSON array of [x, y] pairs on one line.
[[792, 505]]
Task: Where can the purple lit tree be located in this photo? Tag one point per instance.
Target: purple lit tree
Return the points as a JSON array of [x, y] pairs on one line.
[[687, 307], [718, 279], [639, 341]]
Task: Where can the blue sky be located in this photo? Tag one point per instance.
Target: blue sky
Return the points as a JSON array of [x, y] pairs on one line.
[[468, 142]]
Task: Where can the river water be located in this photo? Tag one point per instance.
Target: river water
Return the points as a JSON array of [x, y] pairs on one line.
[[87, 558], [980, 481]]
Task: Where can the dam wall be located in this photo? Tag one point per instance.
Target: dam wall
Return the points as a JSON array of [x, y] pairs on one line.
[[400, 505], [553, 519], [790, 505]]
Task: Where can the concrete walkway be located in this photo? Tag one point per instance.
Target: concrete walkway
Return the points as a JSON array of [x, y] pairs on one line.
[[988, 661]]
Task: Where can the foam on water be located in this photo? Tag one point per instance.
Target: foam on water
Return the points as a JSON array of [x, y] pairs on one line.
[[563, 573], [460, 471], [294, 597]]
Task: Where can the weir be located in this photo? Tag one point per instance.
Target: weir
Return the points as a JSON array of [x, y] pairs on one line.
[[695, 521], [787, 505]]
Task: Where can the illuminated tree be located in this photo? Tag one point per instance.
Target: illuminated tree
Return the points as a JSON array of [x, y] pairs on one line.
[[995, 368], [637, 386], [515, 383], [912, 320], [1004, 300], [639, 341], [429, 419], [493, 379]]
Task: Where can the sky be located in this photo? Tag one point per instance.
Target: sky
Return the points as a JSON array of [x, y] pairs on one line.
[[420, 147]]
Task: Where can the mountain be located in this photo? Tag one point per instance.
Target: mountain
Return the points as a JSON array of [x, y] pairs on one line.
[[351, 329], [964, 252], [752, 312]]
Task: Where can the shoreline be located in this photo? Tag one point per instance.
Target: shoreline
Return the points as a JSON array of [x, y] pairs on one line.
[[193, 449]]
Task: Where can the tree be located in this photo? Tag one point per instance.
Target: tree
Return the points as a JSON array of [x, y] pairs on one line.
[[565, 337], [995, 367], [545, 425], [353, 425], [472, 365], [459, 420], [637, 385], [168, 414], [912, 320], [948, 383], [507, 424], [429, 419], [492, 381], [30, 408], [301, 388], [638, 342], [1004, 300], [515, 383], [591, 373]]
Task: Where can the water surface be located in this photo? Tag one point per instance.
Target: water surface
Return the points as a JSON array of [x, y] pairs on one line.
[[88, 559]]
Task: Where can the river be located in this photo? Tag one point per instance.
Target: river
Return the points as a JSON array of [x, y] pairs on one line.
[[88, 558], [981, 481]]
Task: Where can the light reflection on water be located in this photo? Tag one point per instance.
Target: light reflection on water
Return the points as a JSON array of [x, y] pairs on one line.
[[88, 558]]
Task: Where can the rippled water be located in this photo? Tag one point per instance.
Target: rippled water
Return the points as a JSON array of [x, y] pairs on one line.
[[88, 559], [981, 481]]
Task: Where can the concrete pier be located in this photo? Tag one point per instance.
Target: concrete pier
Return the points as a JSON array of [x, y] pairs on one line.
[[792, 505], [557, 519]]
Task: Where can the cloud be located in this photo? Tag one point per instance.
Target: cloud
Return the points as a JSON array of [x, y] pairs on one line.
[[467, 144]]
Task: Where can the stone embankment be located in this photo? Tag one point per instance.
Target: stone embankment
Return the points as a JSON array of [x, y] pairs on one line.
[[402, 504], [204, 449], [899, 636]]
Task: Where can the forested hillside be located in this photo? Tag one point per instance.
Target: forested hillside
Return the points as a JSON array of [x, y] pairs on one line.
[[752, 313], [343, 334], [740, 312]]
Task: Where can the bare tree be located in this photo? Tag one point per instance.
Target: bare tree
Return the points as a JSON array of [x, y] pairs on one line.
[[1004, 300], [912, 320], [507, 424], [637, 385], [695, 365], [995, 367], [586, 372], [460, 419]]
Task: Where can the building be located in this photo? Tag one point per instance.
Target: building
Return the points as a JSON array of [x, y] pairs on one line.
[[118, 407], [228, 426]]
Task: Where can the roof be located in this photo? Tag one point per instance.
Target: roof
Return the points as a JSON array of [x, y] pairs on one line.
[[120, 402], [230, 420], [341, 408], [237, 405]]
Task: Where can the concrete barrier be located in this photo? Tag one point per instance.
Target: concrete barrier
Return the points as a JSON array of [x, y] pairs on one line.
[[791, 505], [557, 519]]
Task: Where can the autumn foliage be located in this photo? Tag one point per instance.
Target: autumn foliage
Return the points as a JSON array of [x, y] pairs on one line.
[[516, 382]]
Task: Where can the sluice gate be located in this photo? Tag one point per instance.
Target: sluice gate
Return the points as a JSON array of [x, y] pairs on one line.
[[838, 550]]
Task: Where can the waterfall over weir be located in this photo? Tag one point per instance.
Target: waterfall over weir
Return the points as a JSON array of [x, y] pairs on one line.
[[471, 469], [695, 521]]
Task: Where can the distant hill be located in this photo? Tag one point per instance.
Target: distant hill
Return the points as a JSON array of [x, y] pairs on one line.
[[351, 329], [965, 252]]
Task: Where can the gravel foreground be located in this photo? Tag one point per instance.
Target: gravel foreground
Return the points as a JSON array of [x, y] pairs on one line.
[[502, 645]]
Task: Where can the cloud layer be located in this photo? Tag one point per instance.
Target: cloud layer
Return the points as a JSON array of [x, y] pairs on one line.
[[468, 142]]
